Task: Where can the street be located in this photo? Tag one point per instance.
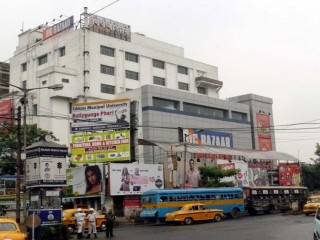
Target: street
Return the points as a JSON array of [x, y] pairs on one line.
[[262, 227]]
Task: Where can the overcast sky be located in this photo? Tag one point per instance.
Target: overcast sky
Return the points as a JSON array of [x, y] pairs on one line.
[[265, 47]]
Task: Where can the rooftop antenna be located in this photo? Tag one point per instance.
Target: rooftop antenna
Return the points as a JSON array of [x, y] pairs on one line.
[[21, 27]]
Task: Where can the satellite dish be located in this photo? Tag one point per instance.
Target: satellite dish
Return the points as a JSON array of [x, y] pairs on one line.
[[33, 221], [48, 138]]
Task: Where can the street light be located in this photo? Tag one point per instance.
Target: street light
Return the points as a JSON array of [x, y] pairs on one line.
[[25, 91], [185, 155]]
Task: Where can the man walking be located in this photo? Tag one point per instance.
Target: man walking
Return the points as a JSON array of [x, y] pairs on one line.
[[79, 216], [110, 218], [92, 223]]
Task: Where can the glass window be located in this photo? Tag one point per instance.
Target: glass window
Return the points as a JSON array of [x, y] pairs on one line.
[[107, 51], [44, 82], [35, 109], [202, 90], [24, 84], [183, 86], [239, 116], [183, 70], [132, 75], [62, 51], [43, 59], [107, 70], [64, 80], [158, 63], [107, 89], [204, 110], [24, 67], [132, 57], [166, 103], [159, 81]]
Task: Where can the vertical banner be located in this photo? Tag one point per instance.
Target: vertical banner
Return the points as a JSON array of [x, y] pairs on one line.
[[264, 135], [289, 174]]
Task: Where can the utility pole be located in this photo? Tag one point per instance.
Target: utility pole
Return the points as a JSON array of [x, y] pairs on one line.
[[18, 166]]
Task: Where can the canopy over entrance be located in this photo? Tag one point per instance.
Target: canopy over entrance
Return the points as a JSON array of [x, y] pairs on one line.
[[208, 149]]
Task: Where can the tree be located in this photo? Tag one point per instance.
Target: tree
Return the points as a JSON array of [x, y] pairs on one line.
[[9, 144], [311, 172], [212, 176]]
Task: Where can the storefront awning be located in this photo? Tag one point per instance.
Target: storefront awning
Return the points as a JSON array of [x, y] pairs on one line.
[[246, 153]]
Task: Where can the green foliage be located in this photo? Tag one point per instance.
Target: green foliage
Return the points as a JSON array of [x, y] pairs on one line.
[[311, 172], [212, 176], [9, 144]]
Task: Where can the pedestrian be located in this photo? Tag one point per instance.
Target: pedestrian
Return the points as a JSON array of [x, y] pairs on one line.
[[79, 217], [109, 229], [92, 223]]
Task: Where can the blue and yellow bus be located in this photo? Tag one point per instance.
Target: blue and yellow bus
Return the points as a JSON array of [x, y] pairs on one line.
[[157, 203]]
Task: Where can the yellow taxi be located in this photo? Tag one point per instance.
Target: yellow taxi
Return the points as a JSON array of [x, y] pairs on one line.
[[69, 219], [9, 229], [312, 205], [190, 213]]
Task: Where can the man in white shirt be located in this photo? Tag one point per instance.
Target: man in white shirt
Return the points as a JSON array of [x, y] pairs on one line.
[[193, 175], [79, 216], [92, 223]]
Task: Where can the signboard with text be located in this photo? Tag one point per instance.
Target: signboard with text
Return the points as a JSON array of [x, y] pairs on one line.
[[100, 147], [57, 28], [100, 116]]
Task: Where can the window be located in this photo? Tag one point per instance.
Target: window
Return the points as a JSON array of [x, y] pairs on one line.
[[107, 51], [183, 70], [132, 75], [64, 80], [202, 90], [107, 69], [128, 89], [62, 51], [24, 84], [239, 116], [107, 89], [43, 59], [158, 63], [204, 110], [44, 82], [132, 57], [24, 67], [159, 81], [35, 109], [183, 86], [165, 103]]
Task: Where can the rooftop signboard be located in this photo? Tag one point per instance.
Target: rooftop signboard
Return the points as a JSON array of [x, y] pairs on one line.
[[57, 28]]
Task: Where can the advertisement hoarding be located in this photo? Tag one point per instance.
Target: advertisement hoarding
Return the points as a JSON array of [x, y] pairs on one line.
[[100, 116], [84, 180], [57, 28], [134, 179], [289, 174], [207, 137], [264, 135], [6, 111], [100, 147]]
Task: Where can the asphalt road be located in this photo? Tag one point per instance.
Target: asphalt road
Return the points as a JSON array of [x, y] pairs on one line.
[[262, 227]]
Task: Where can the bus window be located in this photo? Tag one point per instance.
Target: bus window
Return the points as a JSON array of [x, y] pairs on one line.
[[172, 199], [163, 199]]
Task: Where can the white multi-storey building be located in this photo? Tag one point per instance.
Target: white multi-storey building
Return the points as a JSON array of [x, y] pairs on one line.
[[100, 59]]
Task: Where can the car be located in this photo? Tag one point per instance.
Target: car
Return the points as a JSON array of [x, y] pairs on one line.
[[312, 205], [316, 229], [10, 230], [69, 220], [190, 213]]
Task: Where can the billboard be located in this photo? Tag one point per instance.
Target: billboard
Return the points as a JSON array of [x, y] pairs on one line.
[[100, 116], [85, 180], [57, 28], [207, 137], [134, 179], [100, 147], [6, 111], [242, 178], [264, 135], [109, 27], [289, 174]]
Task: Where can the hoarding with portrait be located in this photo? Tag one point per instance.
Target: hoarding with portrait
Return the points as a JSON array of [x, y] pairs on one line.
[[100, 147], [134, 179], [84, 180]]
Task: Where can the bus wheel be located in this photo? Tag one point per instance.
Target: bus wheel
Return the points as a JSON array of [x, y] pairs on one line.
[[217, 218], [235, 213], [188, 221]]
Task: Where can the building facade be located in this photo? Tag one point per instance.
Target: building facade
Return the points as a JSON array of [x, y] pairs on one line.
[[100, 59]]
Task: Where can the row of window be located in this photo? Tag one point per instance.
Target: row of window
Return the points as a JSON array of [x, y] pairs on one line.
[[44, 59], [132, 57], [198, 109]]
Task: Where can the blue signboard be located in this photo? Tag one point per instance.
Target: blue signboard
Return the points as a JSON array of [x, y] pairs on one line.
[[48, 216]]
